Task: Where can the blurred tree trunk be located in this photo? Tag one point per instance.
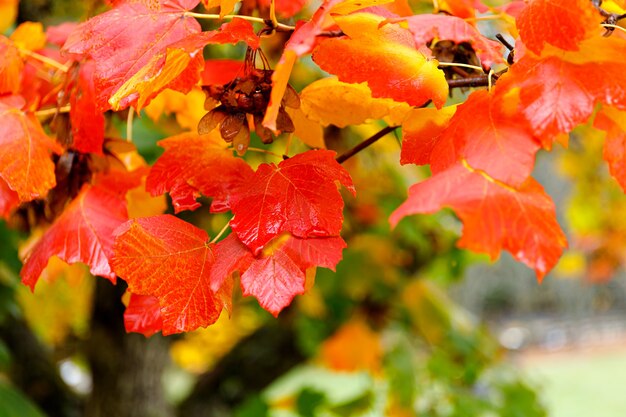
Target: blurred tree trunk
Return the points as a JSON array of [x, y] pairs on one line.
[[34, 372], [126, 368]]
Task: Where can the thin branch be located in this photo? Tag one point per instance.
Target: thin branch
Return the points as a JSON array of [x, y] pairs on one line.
[[279, 26], [366, 143], [456, 64], [129, 124], [221, 232], [44, 59], [52, 111], [273, 13], [609, 26]]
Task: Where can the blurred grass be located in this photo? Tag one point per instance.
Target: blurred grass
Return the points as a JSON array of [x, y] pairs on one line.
[[581, 384]]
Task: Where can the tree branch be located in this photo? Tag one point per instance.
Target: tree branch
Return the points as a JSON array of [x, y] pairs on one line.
[[366, 143]]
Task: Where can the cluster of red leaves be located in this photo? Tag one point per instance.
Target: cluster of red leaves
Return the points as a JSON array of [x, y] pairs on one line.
[[287, 217]]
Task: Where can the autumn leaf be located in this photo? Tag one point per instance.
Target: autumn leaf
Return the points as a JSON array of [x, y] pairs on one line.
[[351, 6], [552, 97], [353, 347], [613, 122], [83, 233], [495, 216], [125, 39], [277, 274], [299, 196], [25, 151], [557, 23], [286, 8], [29, 36], [220, 71], [462, 8], [421, 131], [87, 121], [226, 6], [170, 259], [330, 101], [308, 131], [9, 200], [383, 56], [428, 27], [143, 315], [179, 67], [11, 66], [301, 42], [486, 130], [197, 164]]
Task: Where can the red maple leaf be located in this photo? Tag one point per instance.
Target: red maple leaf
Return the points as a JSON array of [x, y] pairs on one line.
[[558, 23], [9, 199], [87, 120], [83, 233], [124, 39], [495, 216], [559, 91], [299, 196], [25, 150], [613, 122], [143, 315], [170, 259], [277, 275], [197, 164]]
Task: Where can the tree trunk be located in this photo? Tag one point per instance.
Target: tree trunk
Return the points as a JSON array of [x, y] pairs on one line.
[[126, 368]]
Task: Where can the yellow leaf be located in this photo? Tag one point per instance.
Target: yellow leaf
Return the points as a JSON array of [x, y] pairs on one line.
[[29, 36], [8, 13], [349, 6], [308, 131], [330, 101], [142, 204], [226, 6], [280, 79], [61, 303], [188, 108]]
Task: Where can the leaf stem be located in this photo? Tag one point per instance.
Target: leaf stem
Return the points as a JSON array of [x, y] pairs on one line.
[[608, 25], [221, 232], [129, 124], [273, 13], [44, 59], [280, 26], [52, 111], [455, 64], [366, 143]]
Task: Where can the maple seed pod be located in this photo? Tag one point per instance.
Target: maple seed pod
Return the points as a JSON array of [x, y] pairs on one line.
[[210, 121], [241, 141], [232, 125]]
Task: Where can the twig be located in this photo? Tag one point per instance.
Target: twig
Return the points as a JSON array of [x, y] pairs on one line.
[[456, 64], [610, 27], [129, 124], [44, 59], [221, 232], [52, 111], [279, 26], [366, 143]]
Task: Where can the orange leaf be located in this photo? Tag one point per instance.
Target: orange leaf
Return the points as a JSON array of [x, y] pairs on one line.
[[25, 150], [83, 233], [330, 101], [384, 57], [11, 66], [558, 91], [351, 6], [226, 6], [87, 120], [170, 259], [353, 347], [558, 23], [495, 216], [29, 36], [421, 131], [614, 123], [197, 164], [462, 8]]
